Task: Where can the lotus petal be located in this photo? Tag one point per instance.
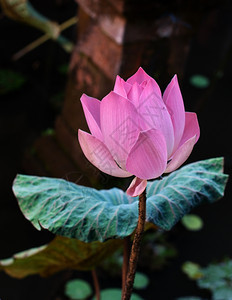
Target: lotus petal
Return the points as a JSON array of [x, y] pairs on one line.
[[120, 129], [173, 99], [98, 154], [148, 157], [136, 187], [154, 114], [181, 155], [91, 107], [191, 127], [121, 87]]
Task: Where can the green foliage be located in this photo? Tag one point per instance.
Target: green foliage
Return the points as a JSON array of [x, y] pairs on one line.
[[192, 222], [218, 279], [141, 281], [10, 81], [88, 215], [78, 289], [60, 254], [199, 81], [192, 270], [115, 294]]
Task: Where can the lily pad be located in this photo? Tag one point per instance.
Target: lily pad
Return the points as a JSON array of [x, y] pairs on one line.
[[192, 270], [192, 222], [141, 281], [78, 289], [200, 81]]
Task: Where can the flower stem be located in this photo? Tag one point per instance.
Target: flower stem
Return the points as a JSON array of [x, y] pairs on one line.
[[135, 249], [126, 247], [96, 284]]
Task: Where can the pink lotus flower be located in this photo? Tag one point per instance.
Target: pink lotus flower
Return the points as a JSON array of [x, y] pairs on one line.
[[137, 131]]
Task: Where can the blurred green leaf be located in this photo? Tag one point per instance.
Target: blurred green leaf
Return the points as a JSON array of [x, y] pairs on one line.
[[10, 81], [77, 289], [218, 279], [199, 81], [192, 222], [222, 293], [141, 281], [192, 270]]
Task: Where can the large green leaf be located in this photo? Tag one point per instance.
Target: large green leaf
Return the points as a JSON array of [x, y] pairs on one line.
[[75, 211], [60, 254], [87, 214], [174, 196]]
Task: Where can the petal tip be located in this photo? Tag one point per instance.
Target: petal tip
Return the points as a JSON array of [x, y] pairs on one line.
[[83, 97], [174, 80], [136, 187]]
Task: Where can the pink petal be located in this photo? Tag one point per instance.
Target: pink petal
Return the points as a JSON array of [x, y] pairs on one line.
[[181, 155], [136, 187], [148, 157], [91, 107], [191, 128], [121, 87], [134, 93], [140, 76], [119, 126], [98, 154], [154, 114], [175, 105]]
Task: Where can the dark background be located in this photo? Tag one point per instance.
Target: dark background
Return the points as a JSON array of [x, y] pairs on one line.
[[26, 113]]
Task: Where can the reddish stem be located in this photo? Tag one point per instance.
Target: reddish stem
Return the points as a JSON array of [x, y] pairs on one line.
[[126, 247], [135, 249], [96, 284]]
